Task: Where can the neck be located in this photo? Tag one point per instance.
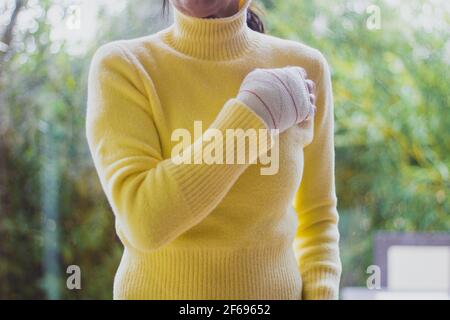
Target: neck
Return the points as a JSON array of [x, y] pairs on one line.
[[211, 38]]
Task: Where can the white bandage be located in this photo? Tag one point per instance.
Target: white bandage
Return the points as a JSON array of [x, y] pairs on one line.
[[279, 96]]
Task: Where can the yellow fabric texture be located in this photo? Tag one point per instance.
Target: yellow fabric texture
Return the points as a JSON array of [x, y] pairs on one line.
[[211, 231]]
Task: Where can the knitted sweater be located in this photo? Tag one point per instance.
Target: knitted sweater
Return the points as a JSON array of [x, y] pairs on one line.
[[201, 230]]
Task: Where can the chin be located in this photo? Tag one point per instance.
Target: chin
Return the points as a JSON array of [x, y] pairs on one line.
[[201, 8]]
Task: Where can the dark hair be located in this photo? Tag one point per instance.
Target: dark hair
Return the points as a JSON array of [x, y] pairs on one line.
[[253, 20]]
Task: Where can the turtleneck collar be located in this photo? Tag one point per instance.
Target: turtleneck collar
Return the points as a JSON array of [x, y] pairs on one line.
[[211, 39]]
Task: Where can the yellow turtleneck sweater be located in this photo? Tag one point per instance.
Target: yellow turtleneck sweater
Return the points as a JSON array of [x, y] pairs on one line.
[[211, 231]]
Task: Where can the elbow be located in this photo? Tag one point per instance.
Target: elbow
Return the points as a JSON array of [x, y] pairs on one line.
[[146, 214], [143, 226], [322, 213], [144, 240], [147, 206]]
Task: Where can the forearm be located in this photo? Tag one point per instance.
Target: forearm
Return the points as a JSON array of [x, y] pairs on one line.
[[157, 201], [317, 248]]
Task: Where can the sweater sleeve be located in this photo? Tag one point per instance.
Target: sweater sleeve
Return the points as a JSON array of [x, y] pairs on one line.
[[316, 242], [154, 200]]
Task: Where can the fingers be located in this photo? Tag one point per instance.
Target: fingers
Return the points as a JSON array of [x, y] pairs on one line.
[[311, 86], [312, 113], [302, 72], [296, 71], [312, 99]]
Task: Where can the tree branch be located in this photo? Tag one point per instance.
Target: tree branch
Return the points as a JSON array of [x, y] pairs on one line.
[[7, 37]]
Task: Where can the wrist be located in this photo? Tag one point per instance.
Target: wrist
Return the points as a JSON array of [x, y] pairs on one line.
[[257, 105]]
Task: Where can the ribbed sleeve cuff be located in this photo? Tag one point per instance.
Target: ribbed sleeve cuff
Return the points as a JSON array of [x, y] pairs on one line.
[[321, 283], [201, 184]]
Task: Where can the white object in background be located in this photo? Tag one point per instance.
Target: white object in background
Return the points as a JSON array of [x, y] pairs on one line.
[[418, 268], [361, 293]]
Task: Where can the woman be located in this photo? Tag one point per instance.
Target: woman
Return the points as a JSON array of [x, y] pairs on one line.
[[216, 231]]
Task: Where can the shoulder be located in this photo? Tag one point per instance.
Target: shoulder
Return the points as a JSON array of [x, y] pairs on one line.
[[114, 61], [124, 51], [109, 52], [118, 50], [107, 58], [292, 52]]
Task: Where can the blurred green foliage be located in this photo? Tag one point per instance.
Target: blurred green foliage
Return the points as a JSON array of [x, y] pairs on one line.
[[392, 112], [392, 135]]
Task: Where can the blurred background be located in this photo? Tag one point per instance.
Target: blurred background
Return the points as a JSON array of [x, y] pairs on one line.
[[390, 66]]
